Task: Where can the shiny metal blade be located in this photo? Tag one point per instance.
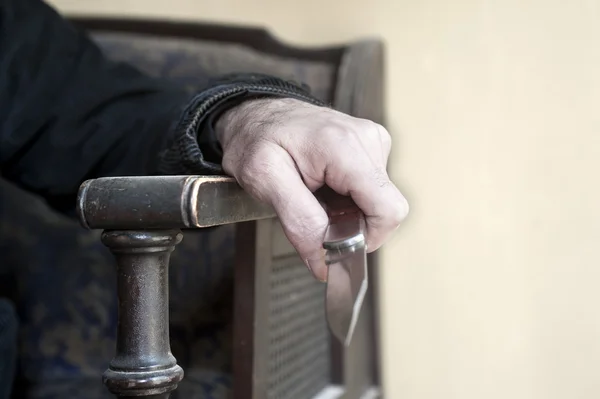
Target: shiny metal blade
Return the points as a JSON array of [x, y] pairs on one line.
[[347, 280]]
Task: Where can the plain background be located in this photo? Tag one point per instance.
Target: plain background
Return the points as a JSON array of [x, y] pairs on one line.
[[490, 289]]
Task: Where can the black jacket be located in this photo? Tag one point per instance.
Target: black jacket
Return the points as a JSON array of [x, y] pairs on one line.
[[68, 114]]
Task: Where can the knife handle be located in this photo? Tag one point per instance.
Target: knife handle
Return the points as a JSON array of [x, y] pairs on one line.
[[335, 204], [347, 227]]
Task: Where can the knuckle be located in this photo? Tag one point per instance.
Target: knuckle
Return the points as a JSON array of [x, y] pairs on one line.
[[371, 126], [368, 127], [337, 145], [334, 132], [257, 164], [382, 136], [386, 137]]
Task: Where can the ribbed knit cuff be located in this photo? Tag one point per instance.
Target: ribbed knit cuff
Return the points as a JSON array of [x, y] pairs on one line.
[[194, 148]]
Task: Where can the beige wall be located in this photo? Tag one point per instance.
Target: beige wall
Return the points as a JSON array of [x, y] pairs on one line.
[[491, 288]]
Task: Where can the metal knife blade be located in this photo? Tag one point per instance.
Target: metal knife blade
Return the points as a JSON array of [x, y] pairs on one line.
[[347, 281]]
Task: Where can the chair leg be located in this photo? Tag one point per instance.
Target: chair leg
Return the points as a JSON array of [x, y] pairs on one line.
[[143, 366]]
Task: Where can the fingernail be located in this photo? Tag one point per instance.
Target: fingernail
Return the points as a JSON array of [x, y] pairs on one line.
[[318, 268]]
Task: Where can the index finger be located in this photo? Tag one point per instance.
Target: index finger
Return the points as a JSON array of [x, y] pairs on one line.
[[373, 192], [274, 179]]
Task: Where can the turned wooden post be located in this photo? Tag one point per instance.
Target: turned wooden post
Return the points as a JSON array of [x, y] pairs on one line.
[[143, 365]]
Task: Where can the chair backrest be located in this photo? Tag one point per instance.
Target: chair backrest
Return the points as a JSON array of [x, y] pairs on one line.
[[188, 53]]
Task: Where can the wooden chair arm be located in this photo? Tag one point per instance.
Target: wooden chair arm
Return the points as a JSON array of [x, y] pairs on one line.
[[166, 202]]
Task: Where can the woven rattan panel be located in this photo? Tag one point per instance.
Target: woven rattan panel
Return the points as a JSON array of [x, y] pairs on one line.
[[299, 363]]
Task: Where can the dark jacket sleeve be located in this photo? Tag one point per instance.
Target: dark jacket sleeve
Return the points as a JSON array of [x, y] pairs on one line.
[[68, 114]]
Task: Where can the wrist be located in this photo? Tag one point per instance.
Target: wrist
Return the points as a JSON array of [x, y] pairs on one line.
[[240, 115]]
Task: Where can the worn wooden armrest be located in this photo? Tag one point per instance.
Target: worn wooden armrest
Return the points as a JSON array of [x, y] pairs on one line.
[[141, 218], [166, 202]]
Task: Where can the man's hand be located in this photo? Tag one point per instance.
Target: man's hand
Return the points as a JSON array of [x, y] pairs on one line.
[[282, 150]]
